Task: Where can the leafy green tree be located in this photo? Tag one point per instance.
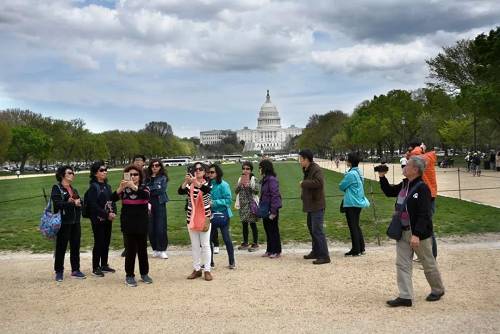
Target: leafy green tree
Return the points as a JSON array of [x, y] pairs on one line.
[[456, 132], [27, 142], [5, 140]]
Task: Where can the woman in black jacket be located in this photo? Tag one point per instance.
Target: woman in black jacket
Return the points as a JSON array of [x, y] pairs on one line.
[[102, 213], [134, 222], [65, 198]]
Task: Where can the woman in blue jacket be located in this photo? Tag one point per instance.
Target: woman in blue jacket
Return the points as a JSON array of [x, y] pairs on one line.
[[157, 182], [221, 203], [354, 200]]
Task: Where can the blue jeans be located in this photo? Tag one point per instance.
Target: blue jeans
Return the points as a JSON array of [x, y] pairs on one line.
[[158, 226], [226, 236], [315, 227]]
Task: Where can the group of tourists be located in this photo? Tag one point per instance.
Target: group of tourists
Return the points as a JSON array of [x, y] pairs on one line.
[[208, 210]]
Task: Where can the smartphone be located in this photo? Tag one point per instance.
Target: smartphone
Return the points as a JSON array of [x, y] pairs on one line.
[[126, 176]]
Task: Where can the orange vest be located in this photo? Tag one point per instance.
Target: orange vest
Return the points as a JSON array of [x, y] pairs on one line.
[[429, 176]]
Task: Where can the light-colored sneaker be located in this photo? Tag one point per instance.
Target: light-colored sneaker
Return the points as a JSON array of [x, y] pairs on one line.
[[216, 250], [163, 255], [156, 253]]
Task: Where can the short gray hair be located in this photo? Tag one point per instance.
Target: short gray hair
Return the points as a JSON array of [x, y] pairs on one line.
[[418, 162]]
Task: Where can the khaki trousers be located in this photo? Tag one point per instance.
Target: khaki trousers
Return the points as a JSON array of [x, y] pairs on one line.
[[404, 266]]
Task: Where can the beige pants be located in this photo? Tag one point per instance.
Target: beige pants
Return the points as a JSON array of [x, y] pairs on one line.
[[404, 266]]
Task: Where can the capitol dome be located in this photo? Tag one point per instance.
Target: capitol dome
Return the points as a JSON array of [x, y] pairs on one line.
[[269, 117]]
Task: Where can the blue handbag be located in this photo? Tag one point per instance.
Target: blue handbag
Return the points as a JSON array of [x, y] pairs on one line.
[[219, 219], [264, 210], [50, 223]]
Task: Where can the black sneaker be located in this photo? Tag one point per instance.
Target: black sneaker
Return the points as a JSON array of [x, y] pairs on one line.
[[399, 302], [107, 269], [322, 260], [98, 272], [432, 297], [310, 256]]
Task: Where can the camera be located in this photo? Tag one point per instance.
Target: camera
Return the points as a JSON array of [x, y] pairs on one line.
[[190, 169], [383, 168]]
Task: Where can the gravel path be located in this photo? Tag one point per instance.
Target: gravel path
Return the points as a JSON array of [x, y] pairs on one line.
[[286, 295]]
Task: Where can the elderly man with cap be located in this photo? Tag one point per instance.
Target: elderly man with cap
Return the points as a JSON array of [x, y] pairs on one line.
[[414, 203]]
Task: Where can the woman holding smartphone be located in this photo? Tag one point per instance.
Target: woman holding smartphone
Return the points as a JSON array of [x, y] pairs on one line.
[[134, 221], [65, 198], [195, 185], [247, 188], [157, 181]]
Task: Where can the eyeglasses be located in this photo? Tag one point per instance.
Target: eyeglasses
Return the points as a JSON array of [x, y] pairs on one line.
[[70, 173], [246, 168], [212, 172], [102, 170], [199, 169], [156, 165], [134, 174]]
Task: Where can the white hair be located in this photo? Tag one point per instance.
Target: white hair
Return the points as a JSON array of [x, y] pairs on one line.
[[418, 162]]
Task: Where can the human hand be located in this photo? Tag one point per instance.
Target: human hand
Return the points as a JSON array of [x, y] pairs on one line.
[[272, 216], [78, 202], [111, 216], [414, 242]]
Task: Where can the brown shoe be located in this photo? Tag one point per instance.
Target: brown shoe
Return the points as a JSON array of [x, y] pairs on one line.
[[194, 274], [208, 276]]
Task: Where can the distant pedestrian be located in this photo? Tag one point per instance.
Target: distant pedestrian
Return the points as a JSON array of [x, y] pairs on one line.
[[313, 204], [498, 161], [403, 161], [18, 173]]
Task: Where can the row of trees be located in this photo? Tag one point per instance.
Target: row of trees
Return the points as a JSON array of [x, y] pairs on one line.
[[460, 109], [27, 136]]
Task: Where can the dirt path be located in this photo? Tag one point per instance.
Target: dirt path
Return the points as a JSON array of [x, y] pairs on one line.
[[287, 295], [447, 179]]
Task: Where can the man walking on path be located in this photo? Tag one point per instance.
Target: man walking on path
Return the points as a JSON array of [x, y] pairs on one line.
[[313, 203]]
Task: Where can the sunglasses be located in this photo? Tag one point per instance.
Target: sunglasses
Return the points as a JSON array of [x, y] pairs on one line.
[[156, 165], [102, 170], [134, 174], [246, 168], [199, 169], [212, 172], [70, 173]]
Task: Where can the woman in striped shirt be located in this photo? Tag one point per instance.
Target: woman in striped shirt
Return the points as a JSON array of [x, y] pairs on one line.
[[200, 241]]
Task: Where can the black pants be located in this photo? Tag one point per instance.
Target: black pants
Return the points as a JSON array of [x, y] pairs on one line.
[[214, 238], [136, 244], [273, 235], [358, 242], [102, 238], [255, 232], [68, 233]]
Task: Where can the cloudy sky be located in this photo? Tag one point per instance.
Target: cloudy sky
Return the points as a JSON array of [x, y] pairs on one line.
[[205, 64]]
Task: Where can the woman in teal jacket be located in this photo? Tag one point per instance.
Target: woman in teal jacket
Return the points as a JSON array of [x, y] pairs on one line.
[[354, 200], [221, 204]]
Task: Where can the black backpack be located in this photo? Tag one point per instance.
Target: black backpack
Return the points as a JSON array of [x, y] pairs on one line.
[[85, 206]]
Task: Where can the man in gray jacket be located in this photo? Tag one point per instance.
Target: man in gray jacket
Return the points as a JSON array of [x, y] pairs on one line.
[[313, 202]]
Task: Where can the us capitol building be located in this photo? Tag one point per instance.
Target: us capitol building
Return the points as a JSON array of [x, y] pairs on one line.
[[269, 135]]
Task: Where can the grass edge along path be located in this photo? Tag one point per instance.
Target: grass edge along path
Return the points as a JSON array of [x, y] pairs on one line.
[[19, 219]]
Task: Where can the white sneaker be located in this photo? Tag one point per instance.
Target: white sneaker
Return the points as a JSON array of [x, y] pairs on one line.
[[156, 254], [163, 255], [216, 250]]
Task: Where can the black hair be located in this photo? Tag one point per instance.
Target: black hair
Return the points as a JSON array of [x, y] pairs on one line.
[[249, 164], [353, 158], [94, 168], [149, 170], [61, 171], [267, 168], [218, 172], [307, 154], [415, 142], [141, 156]]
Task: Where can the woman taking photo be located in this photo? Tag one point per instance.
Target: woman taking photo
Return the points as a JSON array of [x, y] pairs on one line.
[[221, 204], [65, 199], [270, 202], [197, 189], [354, 200], [246, 190], [134, 223], [102, 213], [157, 182]]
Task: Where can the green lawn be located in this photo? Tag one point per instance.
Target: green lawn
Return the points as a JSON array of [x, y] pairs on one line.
[[19, 219]]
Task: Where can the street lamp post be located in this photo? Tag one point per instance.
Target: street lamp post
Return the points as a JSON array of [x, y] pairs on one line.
[[403, 123]]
